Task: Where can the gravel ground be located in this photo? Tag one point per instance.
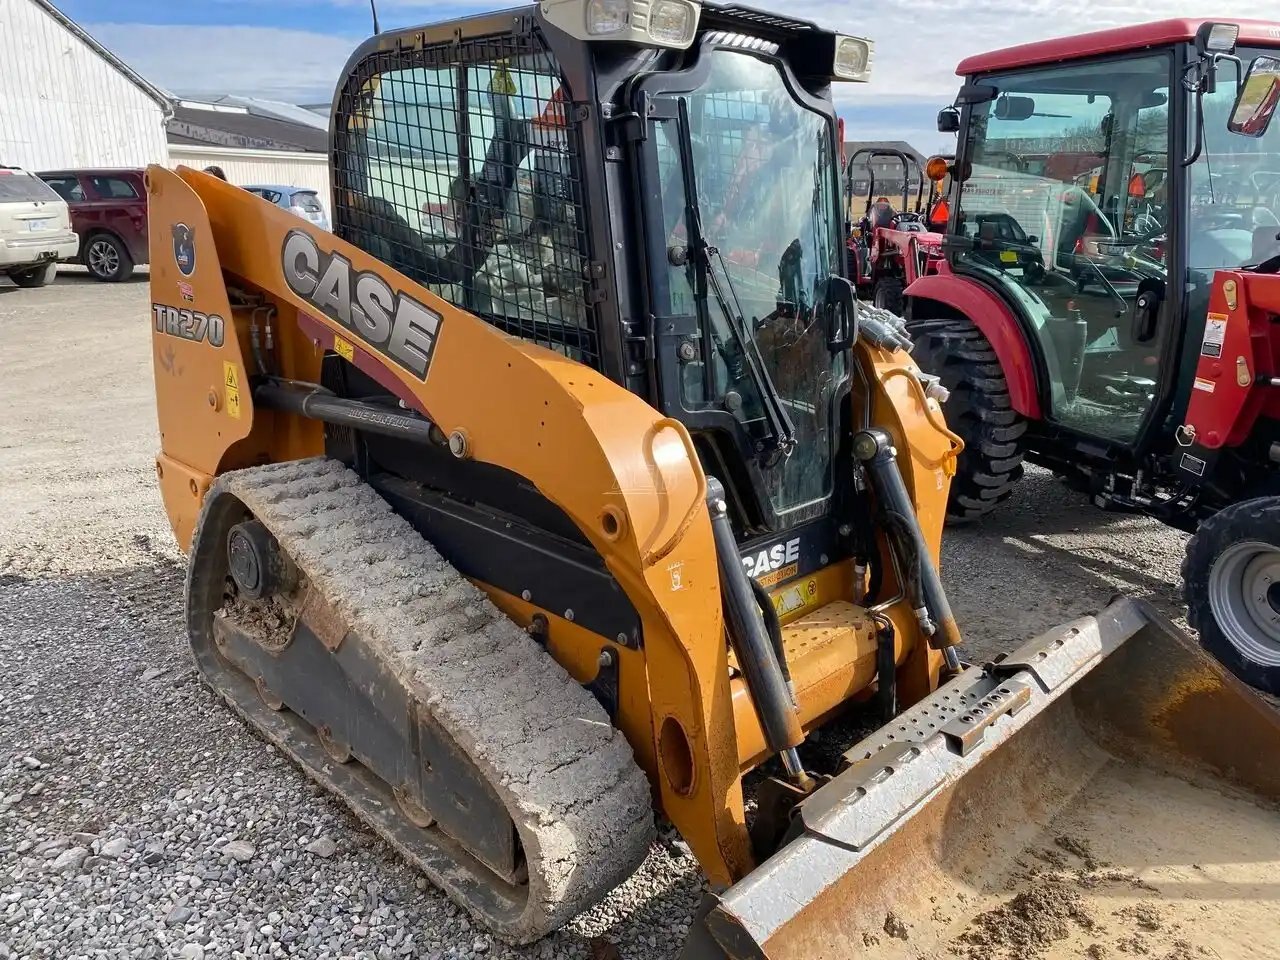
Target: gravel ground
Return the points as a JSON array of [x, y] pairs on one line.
[[139, 819]]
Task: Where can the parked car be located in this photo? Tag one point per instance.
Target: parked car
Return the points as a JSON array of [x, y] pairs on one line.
[[35, 229], [300, 201], [109, 214]]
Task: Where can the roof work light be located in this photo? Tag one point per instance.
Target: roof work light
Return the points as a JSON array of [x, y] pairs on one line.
[[650, 23]]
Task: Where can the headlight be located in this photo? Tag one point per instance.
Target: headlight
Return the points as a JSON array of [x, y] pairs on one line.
[[672, 23], [605, 17], [650, 23], [852, 59]]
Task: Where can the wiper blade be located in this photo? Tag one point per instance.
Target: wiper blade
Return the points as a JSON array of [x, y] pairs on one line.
[[782, 433]]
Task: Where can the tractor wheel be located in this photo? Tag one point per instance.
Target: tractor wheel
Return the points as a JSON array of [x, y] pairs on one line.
[[888, 294], [979, 410], [1231, 581]]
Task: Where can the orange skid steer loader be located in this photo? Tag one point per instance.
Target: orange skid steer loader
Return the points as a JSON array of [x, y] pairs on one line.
[[572, 500]]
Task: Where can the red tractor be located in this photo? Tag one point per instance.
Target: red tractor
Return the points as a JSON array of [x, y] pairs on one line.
[[888, 247], [1107, 303]]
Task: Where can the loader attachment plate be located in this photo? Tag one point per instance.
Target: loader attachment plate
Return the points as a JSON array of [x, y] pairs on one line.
[[1107, 784]]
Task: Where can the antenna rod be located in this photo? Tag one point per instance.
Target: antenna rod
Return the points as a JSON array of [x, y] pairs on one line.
[[374, 8]]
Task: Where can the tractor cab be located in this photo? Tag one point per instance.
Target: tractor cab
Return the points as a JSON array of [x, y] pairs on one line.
[[1107, 301], [1097, 195]]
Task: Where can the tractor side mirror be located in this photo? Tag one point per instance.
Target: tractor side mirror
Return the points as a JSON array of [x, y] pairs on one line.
[[975, 93], [1256, 102], [842, 314], [1146, 311], [948, 120], [1014, 108]]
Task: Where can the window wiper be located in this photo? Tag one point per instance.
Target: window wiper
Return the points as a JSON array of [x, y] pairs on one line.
[[1111, 287], [782, 433]]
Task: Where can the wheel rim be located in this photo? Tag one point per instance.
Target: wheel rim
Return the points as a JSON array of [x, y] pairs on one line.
[[103, 259], [1244, 594]]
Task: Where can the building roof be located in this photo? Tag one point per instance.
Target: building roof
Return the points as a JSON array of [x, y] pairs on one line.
[[273, 109], [228, 125], [1117, 40], [150, 89]]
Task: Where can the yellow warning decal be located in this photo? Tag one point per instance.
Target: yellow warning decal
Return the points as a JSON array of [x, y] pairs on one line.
[[231, 387], [1202, 384], [793, 598], [344, 349], [1220, 317]]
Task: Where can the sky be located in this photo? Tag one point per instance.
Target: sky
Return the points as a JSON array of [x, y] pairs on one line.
[[294, 50]]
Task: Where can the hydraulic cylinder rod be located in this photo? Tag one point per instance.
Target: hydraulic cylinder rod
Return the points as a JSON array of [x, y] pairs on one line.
[[875, 449], [777, 711]]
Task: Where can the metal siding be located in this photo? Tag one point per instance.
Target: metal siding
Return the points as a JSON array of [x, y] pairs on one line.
[[259, 166], [62, 105]]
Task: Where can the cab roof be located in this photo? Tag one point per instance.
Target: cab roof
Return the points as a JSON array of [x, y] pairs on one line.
[[1116, 40]]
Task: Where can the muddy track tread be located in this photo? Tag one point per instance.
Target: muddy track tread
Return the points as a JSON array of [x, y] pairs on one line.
[[580, 803]]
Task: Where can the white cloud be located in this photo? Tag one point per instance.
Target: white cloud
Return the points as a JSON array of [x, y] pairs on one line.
[[293, 65], [918, 44]]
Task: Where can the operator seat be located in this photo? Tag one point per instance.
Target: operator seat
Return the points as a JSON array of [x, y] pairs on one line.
[[882, 214]]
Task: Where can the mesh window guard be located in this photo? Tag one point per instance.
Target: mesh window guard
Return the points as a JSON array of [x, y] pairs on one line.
[[458, 165]]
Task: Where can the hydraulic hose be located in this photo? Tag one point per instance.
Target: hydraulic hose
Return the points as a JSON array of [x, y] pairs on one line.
[[773, 625]]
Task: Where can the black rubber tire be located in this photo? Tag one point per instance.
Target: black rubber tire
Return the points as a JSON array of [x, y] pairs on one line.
[[979, 410], [123, 262], [888, 294], [36, 276], [1259, 520]]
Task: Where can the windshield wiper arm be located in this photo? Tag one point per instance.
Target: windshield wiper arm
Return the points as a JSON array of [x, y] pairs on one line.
[[782, 433], [1111, 287]]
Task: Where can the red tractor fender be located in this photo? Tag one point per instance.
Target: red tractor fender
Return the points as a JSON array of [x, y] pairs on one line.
[[993, 317], [1238, 357]]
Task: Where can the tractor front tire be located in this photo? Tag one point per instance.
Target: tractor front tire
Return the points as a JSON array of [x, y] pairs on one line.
[[979, 410], [1231, 582], [888, 294]]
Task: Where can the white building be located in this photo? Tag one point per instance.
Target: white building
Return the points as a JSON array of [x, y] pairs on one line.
[[66, 101]]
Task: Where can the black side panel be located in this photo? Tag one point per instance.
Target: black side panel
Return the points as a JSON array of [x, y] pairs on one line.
[[499, 549]]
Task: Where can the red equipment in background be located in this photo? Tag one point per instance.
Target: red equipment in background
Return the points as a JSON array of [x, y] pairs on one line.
[[1106, 301], [888, 247]]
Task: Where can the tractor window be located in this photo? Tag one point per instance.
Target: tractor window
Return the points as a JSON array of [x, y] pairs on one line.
[[1066, 208], [1235, 187], [457, 166]]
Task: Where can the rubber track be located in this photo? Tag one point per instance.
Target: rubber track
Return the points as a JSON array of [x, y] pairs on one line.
[[581, 805]]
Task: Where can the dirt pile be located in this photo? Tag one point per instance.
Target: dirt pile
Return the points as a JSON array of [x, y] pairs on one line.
[[1024, 927]]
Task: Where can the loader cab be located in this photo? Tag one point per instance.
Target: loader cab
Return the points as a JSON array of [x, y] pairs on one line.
[[1101, 180], [659, 202]]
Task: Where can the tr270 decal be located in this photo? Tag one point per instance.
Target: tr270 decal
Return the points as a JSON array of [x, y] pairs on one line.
[[189, 324]]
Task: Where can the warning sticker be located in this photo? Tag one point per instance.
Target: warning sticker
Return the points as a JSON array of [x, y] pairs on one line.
[[1203, 384], [794, 598], [1193, 464], [344, 349], [231, 388], [1215, 331]]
